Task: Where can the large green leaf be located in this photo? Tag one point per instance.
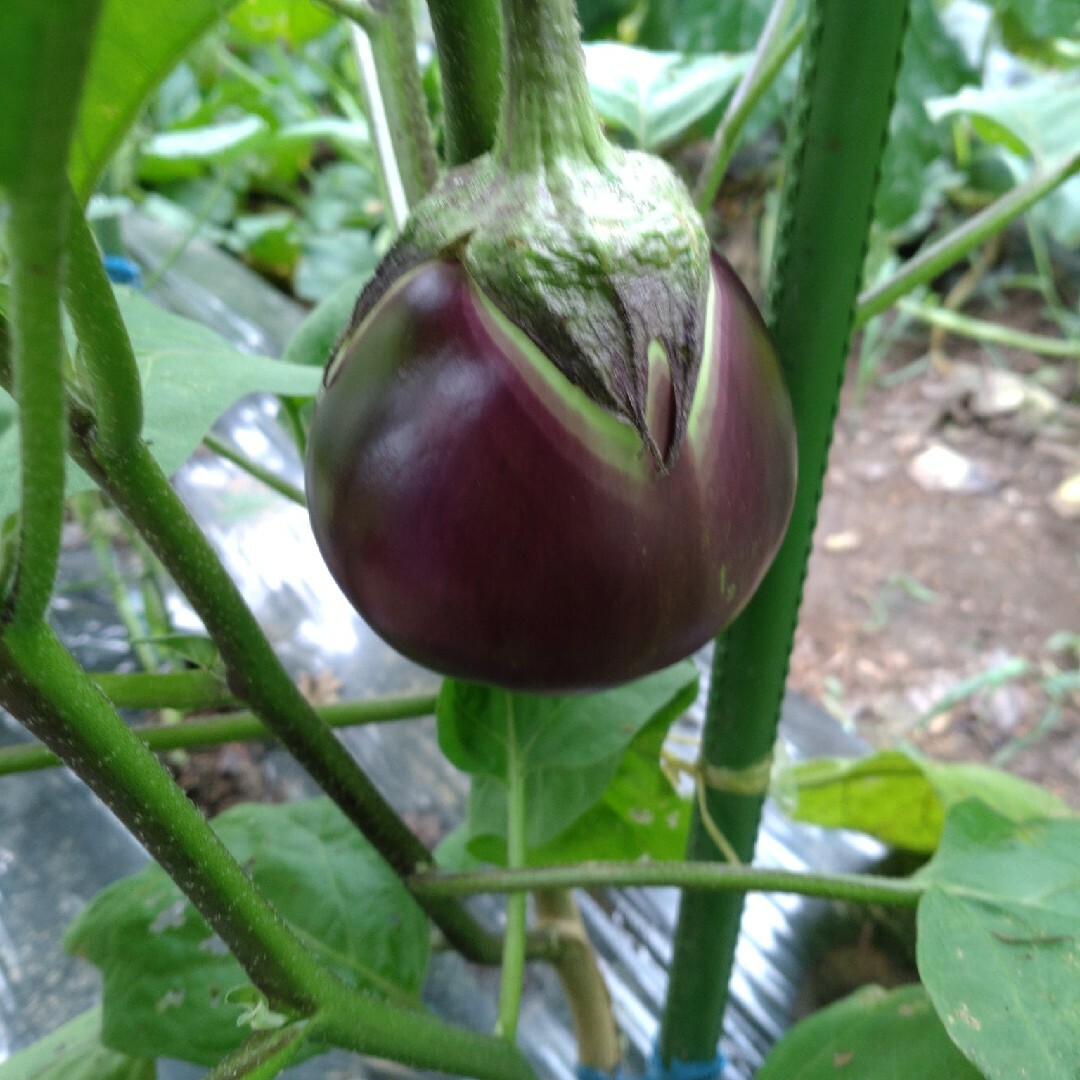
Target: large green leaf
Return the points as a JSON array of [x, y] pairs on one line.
[[1041, 119], [287, 22], [638, 815], [137, 45], [657, 98], [74, 1052], [703, 26], [902, 798], [999, 941], [1041, 20], [190, 376], [913, 171], [567, 748], [171, 988], [872, 1035]]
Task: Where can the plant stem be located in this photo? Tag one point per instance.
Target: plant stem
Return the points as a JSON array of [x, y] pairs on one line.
[[467, 37], [547, 113], [108, 360], [183, 690], [850, 60], [217, 730], [253, 468], [88, 510], [699, 876], [47, 691], [49, 45], [994, 333], [513, 965], [582, 982], [264, 1054], [35, 242], [953, 246], [359, 12], [401, 99], [769, 58], [143, 494], [43, 687]]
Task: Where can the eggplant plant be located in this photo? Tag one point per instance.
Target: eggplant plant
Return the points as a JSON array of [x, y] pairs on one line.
[[553, 453]]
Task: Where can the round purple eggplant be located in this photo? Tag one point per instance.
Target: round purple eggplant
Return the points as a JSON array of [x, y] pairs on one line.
[[492, 522]]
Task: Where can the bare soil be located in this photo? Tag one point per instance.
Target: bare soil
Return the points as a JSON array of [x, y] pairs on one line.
[[913, 591]]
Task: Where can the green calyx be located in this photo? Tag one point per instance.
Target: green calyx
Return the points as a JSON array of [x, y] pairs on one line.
[[597, 254]]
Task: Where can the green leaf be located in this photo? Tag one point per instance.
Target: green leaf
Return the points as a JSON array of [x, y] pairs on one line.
[[704, 25], [914, 174], [289, 22], [190, 376], [1041, 20], [315, 338], [74, 1052], [169, 982], [901, 797], [330, 259], [872, 1035], [999, 941], [656, 98], [569, 748], [1041, 119], [170, 155], [137, 45]]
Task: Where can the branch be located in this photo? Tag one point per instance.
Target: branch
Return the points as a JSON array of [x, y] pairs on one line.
[[217, 730], [699, 876]]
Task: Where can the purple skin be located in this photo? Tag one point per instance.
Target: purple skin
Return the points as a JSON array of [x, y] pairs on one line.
[[457, 494]]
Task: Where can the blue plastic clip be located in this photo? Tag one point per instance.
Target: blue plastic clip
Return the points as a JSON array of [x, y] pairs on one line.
[[684, 1070], [123, 271]]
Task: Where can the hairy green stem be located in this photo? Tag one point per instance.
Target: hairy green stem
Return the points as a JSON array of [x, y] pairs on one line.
[[953, 246], [699, 876], [253, 468], [401, 99], [513, 965], [107, 358], [35, 242], [46, 690], [547, 114], [143, 494], [850, 60], [42, 686], [215, 730], [467, 37], [774, 47], [582, 982], [183, 690], [45, 50]]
